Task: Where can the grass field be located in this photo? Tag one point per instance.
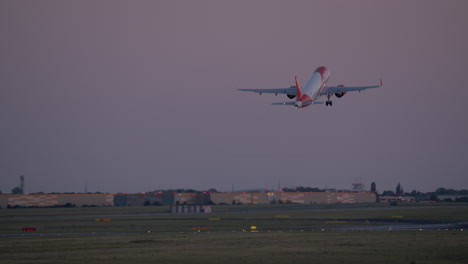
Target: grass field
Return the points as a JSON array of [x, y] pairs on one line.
[[318, 247], [290, 233]]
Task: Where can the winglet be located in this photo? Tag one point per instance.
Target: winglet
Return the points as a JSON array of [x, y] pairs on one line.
[[298, 88], [381, 83]]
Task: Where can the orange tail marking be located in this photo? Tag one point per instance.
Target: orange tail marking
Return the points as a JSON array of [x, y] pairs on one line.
[[298, 89]]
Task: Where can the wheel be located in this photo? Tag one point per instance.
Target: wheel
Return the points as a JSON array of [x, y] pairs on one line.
[[331, 103]]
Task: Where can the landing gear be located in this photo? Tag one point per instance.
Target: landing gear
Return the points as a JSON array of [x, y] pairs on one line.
[[328, 102]]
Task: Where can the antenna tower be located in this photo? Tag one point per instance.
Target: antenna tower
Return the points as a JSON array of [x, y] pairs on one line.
[[22, 184], [358, 185]]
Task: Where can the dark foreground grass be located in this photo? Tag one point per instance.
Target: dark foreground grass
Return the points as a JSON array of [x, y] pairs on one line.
[[276, 247]]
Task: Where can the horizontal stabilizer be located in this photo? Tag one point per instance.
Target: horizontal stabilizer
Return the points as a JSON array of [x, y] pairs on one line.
[[293, 103], [284, 103], [311, 103]]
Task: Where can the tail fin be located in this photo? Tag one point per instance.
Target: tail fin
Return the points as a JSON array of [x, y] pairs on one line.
[[298, 89]]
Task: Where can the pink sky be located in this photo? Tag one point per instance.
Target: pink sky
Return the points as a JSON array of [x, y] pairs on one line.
[[141, 95]]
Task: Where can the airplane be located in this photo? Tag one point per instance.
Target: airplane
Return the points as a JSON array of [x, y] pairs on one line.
[[313, 90]]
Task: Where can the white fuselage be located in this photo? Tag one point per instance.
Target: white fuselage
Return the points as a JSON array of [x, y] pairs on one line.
[[316, 82]]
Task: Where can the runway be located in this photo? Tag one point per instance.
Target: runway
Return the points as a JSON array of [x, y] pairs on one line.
[[296, 218]]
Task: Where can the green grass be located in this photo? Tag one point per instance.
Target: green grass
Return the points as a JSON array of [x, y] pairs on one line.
[[239, 247]]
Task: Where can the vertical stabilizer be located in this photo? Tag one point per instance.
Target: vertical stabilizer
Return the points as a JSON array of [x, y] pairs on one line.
[[298, 89]]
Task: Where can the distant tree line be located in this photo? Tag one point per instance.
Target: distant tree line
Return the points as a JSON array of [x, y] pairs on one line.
[[431, 196], [17, 190], [303, 189], [438, 191], [181, 190], [443, 191]]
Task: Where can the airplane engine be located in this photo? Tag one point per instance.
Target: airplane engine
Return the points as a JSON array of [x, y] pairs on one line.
[[291, 96], [340, 94]]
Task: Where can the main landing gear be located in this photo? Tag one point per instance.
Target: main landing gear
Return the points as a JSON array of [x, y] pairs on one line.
[[328, 102]]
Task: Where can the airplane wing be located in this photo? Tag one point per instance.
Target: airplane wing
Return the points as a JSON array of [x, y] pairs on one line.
[[291, 91], [292, 103], [337, 89], [284, 103]]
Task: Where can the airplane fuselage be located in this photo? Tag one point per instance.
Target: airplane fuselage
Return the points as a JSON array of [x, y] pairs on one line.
[[313, 87]]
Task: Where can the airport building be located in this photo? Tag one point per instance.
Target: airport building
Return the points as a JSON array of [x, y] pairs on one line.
[[46, 200], [326, 197], [141, 199], [292, 197], [397, 199], [452, 197], [239, 198]]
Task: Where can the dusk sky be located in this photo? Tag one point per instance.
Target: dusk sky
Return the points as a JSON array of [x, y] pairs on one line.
[[133, 96]]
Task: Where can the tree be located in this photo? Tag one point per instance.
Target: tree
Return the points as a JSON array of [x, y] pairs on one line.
[[373, 187], [434, 197], [388, 193], [399, 189], [303, 189], [16, 190]]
